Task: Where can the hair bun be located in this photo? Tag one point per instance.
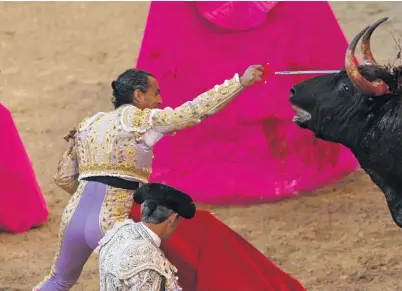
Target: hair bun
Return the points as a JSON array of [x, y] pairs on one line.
[[114, 85]]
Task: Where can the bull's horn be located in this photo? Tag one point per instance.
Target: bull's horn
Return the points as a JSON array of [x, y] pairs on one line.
[[376, 88], [366, 49]]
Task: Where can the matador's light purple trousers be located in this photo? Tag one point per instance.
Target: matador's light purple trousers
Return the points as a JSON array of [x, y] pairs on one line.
[[92, 210]]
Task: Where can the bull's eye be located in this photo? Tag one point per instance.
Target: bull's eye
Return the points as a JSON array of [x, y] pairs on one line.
[[346, 88]]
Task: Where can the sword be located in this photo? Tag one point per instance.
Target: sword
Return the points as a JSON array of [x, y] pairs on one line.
[[306, 72], [268, 72]]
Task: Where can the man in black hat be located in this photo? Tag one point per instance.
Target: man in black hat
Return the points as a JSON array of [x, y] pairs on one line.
[[129, 253]]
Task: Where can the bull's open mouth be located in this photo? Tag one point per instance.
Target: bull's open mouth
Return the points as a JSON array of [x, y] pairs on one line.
[[301, 115]]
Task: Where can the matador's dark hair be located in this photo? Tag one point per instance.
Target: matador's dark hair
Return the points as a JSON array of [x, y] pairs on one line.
[[125, 85]]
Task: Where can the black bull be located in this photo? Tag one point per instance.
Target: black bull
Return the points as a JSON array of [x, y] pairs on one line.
[[361, 108]]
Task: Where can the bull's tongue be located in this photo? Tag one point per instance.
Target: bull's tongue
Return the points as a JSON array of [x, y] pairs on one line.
[[296, 108]]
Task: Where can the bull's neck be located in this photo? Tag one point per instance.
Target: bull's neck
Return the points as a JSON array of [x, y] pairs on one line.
[[377, 145]]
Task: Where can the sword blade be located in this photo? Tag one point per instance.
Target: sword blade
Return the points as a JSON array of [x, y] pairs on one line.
[[307, 72]]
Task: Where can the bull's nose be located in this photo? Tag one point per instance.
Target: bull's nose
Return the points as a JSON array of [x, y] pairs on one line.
[[292, 92]]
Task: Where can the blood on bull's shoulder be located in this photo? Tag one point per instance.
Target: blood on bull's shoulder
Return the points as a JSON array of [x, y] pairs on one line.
[[361, 108]]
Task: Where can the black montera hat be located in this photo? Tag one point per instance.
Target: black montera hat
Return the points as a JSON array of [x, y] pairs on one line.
[[167, 196]]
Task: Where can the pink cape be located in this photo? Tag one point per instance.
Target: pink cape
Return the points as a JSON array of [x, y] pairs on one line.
[[251, 151], [235, 15], [22, 204]]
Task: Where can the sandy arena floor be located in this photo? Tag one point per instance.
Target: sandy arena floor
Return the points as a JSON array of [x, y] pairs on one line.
[[57, 61]]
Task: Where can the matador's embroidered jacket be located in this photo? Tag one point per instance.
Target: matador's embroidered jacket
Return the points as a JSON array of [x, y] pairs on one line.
[[120, 143], [129, 260]]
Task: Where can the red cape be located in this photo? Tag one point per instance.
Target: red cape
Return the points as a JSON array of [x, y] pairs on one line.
[[210, 256]]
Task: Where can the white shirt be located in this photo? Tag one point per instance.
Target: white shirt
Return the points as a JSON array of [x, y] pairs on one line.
[[154, 236]]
